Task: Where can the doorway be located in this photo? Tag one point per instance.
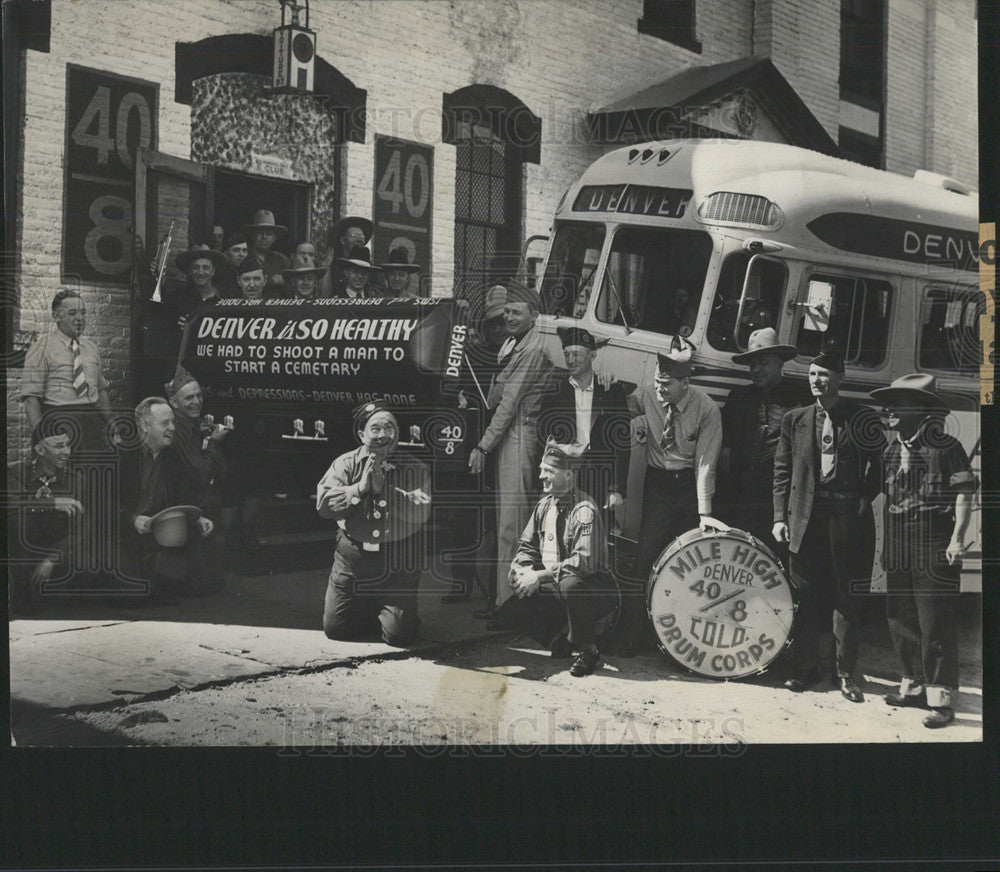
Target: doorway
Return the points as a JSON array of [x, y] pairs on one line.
[[239, 195]]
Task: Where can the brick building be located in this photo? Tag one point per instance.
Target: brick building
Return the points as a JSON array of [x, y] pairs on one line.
[[499, 105]]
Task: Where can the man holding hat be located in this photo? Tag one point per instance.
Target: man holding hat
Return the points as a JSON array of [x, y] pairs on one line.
[[398, 272], [359, 273], [348, 233], [592, 419], [380, 498], [302, 278], [683, 435], [751, 427], [560, 574], [263, 233], [929, 487], [514, 397], [825, 477]]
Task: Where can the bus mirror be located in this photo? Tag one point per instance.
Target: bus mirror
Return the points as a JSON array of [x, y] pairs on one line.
[[819, 304]]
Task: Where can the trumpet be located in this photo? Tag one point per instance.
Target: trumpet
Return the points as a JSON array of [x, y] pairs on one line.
[[159, 265]]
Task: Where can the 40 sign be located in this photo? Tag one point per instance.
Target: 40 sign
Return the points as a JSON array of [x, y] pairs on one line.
[[404, 187], [107, 118]]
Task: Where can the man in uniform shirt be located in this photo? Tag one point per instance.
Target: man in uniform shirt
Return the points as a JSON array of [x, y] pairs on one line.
[[380, 498], [751, 427], [41, 506], [263, 233], [514, 397], [560, 573], [825, 477], [929, 486], [683, 435], [591, 418], [63, 379]]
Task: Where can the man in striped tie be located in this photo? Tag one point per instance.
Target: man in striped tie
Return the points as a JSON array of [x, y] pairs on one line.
[[63, 379]]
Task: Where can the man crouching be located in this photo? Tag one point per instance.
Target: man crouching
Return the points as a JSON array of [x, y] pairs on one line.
[[380, 498], [563, 589]]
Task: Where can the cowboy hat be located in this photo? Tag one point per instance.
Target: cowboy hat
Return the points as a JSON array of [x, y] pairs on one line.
[[399, 259], [337, 230], [916, 388], [170, 527], [360, 257], [302, 266], [263, 219], [765, 341], [200, 252]]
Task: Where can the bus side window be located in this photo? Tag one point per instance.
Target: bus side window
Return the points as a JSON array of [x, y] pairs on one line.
[[569, 278], [761, 309], [949, 333], [859, 320]]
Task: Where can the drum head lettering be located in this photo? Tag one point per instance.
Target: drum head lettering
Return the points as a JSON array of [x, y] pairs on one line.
[[721, 604]]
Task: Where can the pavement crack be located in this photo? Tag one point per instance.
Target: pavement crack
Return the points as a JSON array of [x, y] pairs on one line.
[[239, 656], [79, 629]]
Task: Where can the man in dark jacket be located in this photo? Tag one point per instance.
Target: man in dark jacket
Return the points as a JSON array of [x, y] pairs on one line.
[[826, 474]]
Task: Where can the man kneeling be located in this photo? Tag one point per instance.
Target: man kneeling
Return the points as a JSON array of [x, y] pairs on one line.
[[380, 498], [564, 590]]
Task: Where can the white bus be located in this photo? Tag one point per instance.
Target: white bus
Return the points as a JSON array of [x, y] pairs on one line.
[[713, 239]]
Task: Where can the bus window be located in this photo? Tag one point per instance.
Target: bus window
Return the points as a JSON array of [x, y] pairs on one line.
[[569, 277], [949, 335], [654, 278], [762, 307], [859, 320]]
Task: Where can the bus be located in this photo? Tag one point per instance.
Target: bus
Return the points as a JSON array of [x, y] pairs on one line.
[[713, 239]]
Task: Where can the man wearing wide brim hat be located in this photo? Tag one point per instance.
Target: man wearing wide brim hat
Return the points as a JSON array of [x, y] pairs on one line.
[[682, 434], [201, 264], [345, 234], [262, 233], [751, 427], [929, 489], [514, 398], [359, 272], [398, 271], [302, 278], [380, 498]]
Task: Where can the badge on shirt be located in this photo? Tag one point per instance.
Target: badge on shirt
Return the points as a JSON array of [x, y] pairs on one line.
[[584, 518]]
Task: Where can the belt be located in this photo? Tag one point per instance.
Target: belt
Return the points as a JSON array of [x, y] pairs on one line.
[[836, 495], [672, 473], [364, 546]]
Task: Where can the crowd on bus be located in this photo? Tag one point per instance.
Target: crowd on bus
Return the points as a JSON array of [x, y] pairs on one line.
[[795, 466]]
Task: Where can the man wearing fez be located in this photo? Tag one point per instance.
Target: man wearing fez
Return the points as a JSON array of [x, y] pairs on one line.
[[63, 379], [197, 445], [234, 249], [152, 477], [400, 275], [929, 487], [683, 435], [302, 278], [560, 573], [359, 274], [592, 421], [263, 233], [380, 498], [514, 398], [346, 235], [41, 507], [825, 477], [751, 427]]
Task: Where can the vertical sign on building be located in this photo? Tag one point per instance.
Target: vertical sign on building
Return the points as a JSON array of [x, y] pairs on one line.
[[403, 200], [107, 118]]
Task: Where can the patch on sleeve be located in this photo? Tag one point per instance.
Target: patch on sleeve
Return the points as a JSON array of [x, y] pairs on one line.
[[584, 516]]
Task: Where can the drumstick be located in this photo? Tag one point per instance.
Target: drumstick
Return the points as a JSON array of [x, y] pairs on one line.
[[719, 602]]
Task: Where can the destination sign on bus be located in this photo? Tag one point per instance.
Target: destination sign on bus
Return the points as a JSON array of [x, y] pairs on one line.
[[633, 200]]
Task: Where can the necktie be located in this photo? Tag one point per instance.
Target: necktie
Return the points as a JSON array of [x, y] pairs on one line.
[[669, 438], [79, 379], [828, 451], [506, 348]]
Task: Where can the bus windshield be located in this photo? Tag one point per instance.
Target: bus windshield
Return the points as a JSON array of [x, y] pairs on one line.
[[569, 276], [654, 279]]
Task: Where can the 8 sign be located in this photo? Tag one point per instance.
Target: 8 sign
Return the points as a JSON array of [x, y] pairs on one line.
[[107, 118]]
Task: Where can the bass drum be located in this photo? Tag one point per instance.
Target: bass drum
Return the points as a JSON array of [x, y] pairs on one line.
[[721, 604]]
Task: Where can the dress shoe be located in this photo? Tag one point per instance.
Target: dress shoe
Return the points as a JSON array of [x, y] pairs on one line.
[[907, 700], [585, 664], [850, 690], [803, 681], [939, 717], [560, 647]]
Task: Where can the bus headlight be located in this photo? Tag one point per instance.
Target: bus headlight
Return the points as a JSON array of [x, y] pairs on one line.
[[740, 210]]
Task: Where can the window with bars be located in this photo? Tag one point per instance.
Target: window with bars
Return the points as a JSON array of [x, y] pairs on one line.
[[487, 208]]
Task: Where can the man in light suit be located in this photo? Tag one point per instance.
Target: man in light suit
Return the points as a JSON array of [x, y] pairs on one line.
[[514, 399], [826, 473]]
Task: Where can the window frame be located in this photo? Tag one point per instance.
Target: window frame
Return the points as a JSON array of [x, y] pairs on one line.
[[971, 292], [780, 305], [546, 301], [658, 20]]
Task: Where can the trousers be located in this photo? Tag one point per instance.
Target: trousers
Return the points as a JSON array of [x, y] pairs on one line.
[[517, 461], [573, 605]]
